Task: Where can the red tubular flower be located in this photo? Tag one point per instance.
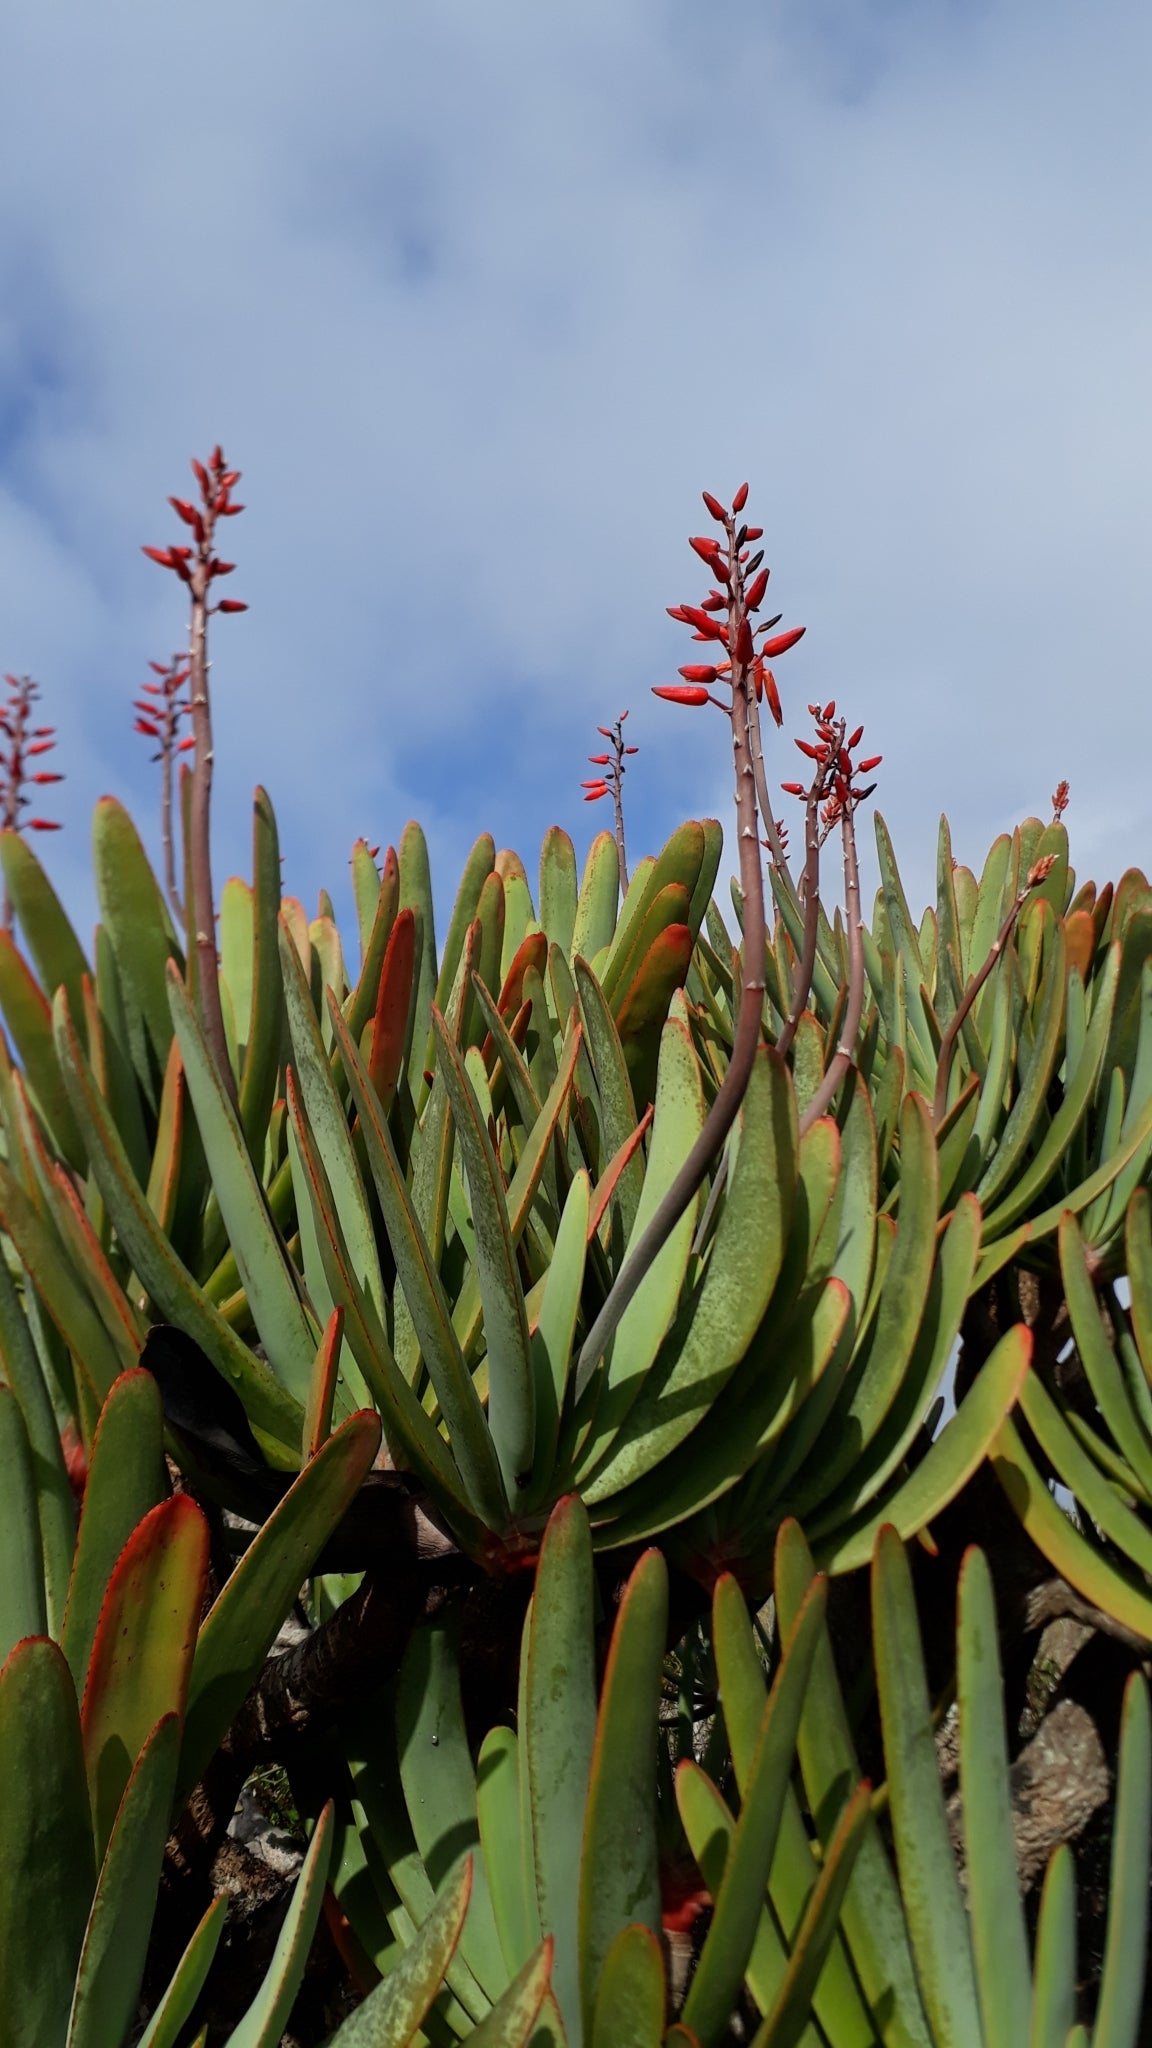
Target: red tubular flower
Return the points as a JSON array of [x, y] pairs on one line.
[[741, 499], [856, 738], [715, 507], [866, 767], [46, 775], [773, 696], [813, 753], [230, 604], [677, 693], [782, 642], [707, 549], [44, 825], [744, 646], [161, 555], [599, 760], [698, 672], [594, 795], [754, 597], [144, 725], [793, 789]]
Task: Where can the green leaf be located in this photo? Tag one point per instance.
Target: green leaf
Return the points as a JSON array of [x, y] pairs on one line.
[[629, 2010], [614, 1088], [1054, 1967], [512, 2020], [142, 1650], [1118, 2010], [165, 2028], [965, 1441], [440, 1789], [29, 1019], [471, 1443], [126, 1480], [268, 1278], [677, 867], [248, 1613], [276, 1416], [22, 1609], [1100, 1363], [498, 1815], [999, 1938], [56, 952], [558, 888], [787, 2022], [716, 1325], [728, 1945], [595, 919], [47, 1872], [258, 1076], [558, 1736], [619, 1869], [55, 1508], [266, 2018], [511, 1388], [140, 934], [416, 895], [929, 1885], [116, 1940], [554, 1334], [1124, 1595], [391, 2015]]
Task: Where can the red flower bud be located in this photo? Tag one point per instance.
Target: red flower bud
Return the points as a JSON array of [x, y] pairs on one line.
[[606, 730], [680, 693], [161, 555], [230, 477], [185, 744], [715, 507], [866, 766], [599, 760], [216, 568], [631, 750], [200, 473], [44, 825], [230, 604], [46, 775], [228, 511], [754, 533], [813, 753], [145, 725], [707, 549], [856, 737], [755, 595], [773, 696], [216, 459], [695, 615], [744, 647], [593, 796], [185, 511], [782, 643], [829, 710], [793, 789], [41, 747], [714, 602], [594, 782], [41, 732], [696, 672], [741, 499]]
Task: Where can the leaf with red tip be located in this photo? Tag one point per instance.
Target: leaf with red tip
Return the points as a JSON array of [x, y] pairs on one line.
[[641, 1013], [393, 1002], [142, 1654]]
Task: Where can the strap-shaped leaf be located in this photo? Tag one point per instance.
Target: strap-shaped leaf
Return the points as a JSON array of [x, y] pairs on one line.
[[116, 1939], [929, 1885], [595, 919], [1121, 2000], [125, 1482], [512, 2020], [558, 887], [554, 1335], [56, 952], [274, 1413], [47, 1872], [390, 2016], [872, 1914], [1097, 1356], [266, 2018], [29, 1019], [716, 1325], [247, 1615], [558, 1736], [785, 2025], [140, 934], [55, 1509], [712, 1993], [678, 865], [1054, 1966], [999, 1938], [268, 1278], [963, 1444], [629, 2011], [142, 1651], [167, 2023], [614, 1088], [1122, 1594], [511, 1388], [619, 1869], [439, 1783], [22, 1609], [471, 1443], [498, 1815]]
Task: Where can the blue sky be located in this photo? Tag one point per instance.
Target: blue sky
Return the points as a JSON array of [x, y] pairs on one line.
[[480, 298]]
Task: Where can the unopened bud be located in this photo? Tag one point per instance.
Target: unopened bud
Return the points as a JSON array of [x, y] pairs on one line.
[[741, 499]]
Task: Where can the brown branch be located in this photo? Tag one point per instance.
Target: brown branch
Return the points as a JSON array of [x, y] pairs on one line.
[[845, 1052]]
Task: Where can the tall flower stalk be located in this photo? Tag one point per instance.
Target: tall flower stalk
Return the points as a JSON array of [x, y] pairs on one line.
[[25, 742], [198, 567], [723, 620], [610, 783], [158, 716]]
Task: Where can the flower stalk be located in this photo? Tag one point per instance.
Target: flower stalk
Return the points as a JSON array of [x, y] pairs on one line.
[[610, 783], [26, 742]]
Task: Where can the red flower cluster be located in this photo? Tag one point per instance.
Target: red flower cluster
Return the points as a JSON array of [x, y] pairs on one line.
[[833, 781], [600, 785], [199, 566], [158, 715], [738, 591], [26, 742]]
